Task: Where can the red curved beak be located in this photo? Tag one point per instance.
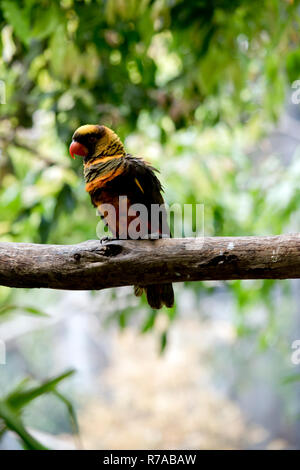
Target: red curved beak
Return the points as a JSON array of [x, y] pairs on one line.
[[78, 149]]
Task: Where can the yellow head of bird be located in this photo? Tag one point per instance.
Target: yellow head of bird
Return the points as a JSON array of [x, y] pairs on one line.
[[92, 140]]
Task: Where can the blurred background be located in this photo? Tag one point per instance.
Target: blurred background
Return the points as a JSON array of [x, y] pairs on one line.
[[206, 91]]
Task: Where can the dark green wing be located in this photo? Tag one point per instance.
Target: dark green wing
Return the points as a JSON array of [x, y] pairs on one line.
[[141, 185]]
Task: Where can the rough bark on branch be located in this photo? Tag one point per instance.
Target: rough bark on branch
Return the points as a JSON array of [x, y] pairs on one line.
[[90, 265]]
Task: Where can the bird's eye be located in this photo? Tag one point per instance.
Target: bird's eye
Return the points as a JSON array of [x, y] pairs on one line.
[[92, 139]]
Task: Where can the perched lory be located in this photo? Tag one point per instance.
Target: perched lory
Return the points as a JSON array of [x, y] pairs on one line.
[[111, 174]]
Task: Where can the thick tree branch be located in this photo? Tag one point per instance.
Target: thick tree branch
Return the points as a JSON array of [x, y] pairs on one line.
[[90, 265]]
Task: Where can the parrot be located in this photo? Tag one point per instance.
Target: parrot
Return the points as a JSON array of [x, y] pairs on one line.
[[116, 179]]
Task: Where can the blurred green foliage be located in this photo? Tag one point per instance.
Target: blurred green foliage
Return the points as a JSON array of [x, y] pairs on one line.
[[12, 405], [194, 84]]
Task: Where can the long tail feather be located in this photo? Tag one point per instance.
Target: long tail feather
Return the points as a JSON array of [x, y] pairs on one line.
[[157, 295]]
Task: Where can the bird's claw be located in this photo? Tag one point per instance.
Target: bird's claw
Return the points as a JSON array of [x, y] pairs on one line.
[[106, 239]]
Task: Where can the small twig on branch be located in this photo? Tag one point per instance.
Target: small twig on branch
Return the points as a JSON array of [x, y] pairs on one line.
[[90, 265]]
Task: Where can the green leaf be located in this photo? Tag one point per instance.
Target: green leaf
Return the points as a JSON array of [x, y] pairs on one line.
[[122, 320], [26, 309], [35, 311], [149, 323], [70, 409], [293, 64], [44, 229], [46, 22], [163, 341], [66, 201], [19, 399], [291, 379], [18, 20], [14, 423], [12, 404]]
